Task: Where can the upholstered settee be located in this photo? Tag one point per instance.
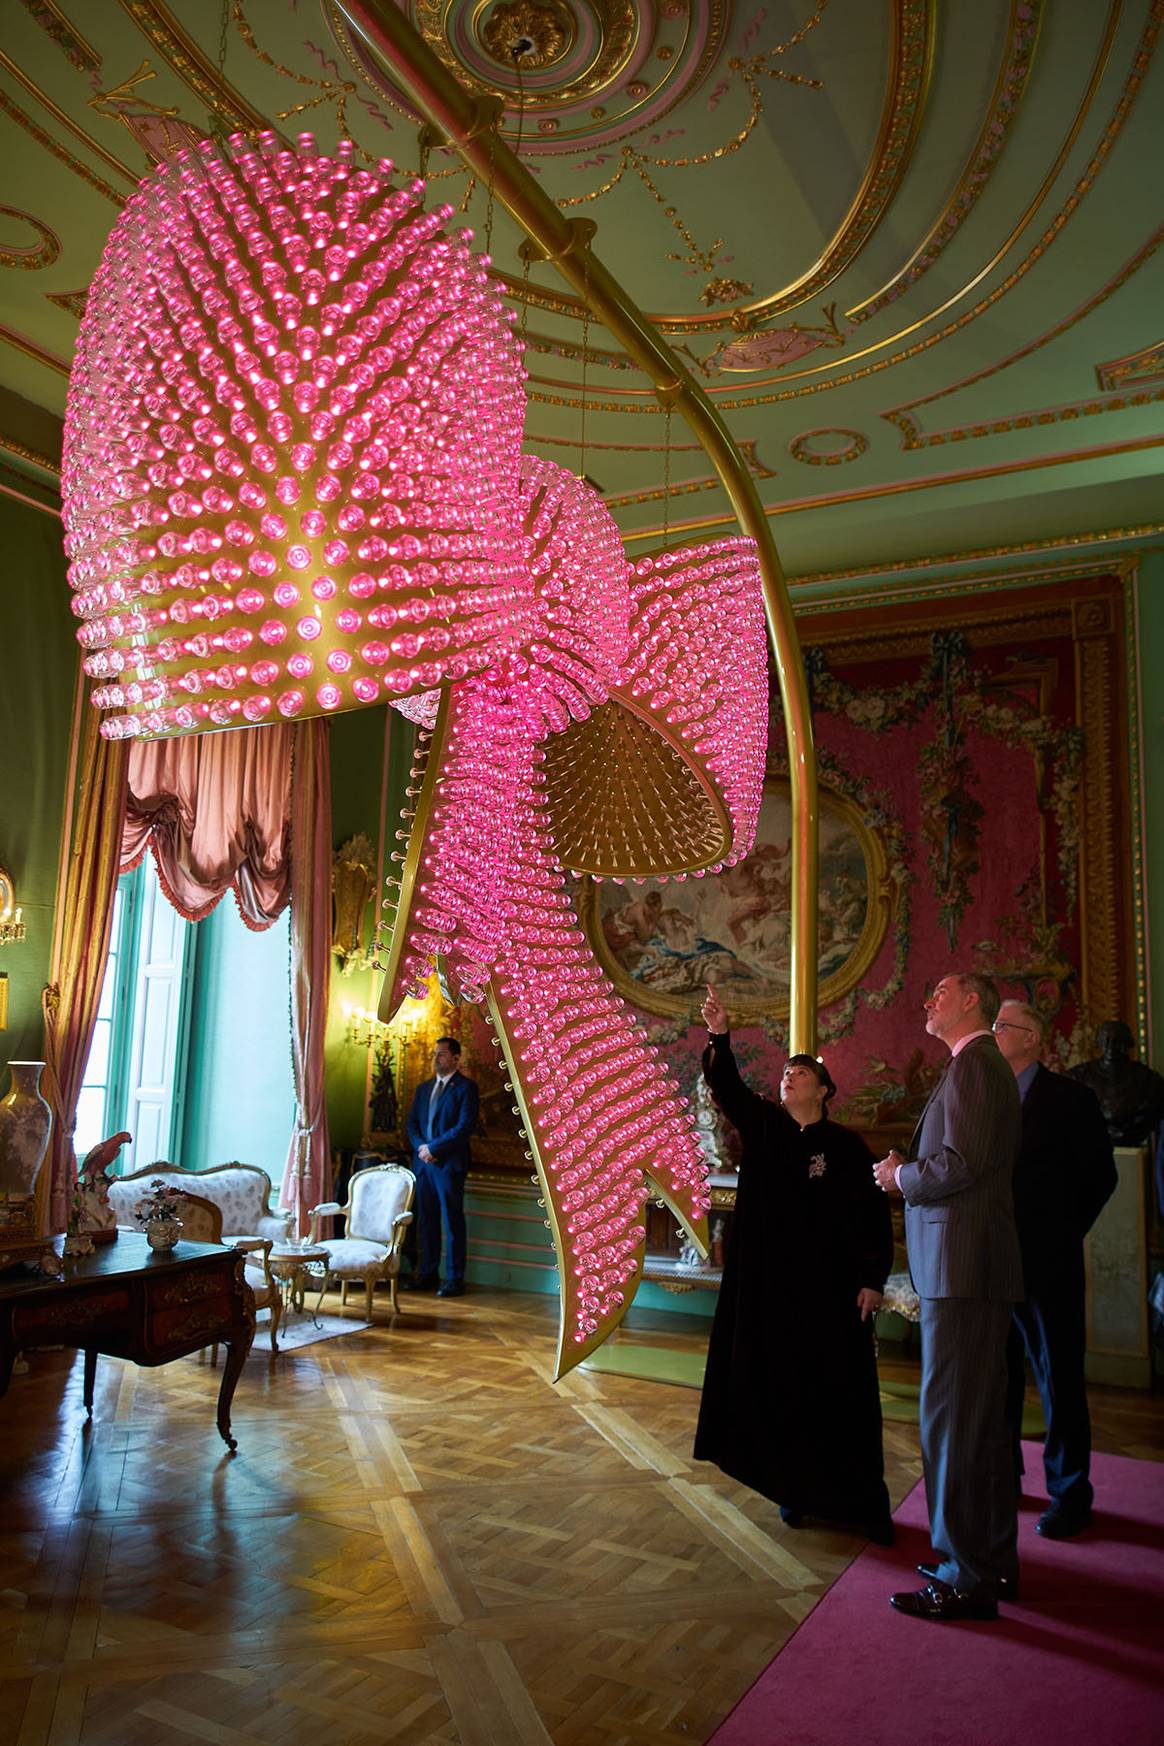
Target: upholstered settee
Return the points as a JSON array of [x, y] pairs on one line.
[[242, 1192]]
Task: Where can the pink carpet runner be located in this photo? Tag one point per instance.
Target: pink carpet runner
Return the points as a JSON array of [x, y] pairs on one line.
[[1079, 1661]]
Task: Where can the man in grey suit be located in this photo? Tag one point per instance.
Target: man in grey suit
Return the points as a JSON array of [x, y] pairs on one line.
[[966, 1267]]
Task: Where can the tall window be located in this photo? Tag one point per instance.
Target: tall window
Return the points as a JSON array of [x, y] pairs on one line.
[[192, 1048]]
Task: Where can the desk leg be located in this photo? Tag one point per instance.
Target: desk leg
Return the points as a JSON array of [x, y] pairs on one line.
[[237, 1347], [90, 1378]]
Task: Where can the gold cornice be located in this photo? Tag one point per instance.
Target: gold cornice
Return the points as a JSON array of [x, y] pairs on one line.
[[685, 487], [951, 560], [34, 457], [15, 113], [832, 499], [39, 355], [66, 121], [939, 587], [1020, 42], [159, 26]]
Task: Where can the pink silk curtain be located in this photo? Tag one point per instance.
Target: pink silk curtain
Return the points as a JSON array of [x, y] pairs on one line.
[[307, 1177], [215, 809], [70, 1002]]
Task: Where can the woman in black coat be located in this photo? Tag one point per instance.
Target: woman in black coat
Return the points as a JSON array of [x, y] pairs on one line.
[[791, 1405]]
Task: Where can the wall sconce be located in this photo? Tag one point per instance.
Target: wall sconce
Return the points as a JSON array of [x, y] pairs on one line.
[[11, 926], [362, 1028]]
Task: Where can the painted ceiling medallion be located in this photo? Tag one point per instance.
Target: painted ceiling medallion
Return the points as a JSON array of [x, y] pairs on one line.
[[528, 33], [594, 71]]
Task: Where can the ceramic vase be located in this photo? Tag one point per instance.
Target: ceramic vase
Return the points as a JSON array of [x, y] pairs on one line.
[[25, 1120], [162, 1234]]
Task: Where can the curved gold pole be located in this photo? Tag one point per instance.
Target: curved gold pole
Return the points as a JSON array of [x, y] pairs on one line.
[[468, 124]]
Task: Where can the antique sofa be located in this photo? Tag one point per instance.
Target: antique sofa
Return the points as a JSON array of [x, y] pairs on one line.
[[242, 1192]]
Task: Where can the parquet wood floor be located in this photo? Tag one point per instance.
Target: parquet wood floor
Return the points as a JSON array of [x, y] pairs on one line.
[[420, 1541]]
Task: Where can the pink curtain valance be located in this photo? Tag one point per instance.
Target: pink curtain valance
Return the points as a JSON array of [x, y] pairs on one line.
[[216, 811]]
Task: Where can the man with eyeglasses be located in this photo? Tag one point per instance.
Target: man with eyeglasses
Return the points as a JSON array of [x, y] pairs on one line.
[[1065, 1173]]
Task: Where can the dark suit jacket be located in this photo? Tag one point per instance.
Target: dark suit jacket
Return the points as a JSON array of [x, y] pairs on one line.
[[447, 1138], [1065, 1173], [959, 1207]]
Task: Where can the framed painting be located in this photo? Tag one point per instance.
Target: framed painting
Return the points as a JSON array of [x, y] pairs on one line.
[[660, 942]]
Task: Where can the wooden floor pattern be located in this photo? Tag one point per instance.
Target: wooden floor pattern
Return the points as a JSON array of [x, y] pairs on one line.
[[420, 1541]]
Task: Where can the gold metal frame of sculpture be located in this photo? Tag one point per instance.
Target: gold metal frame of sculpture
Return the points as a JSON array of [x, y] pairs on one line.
[[470, 125], [880, 909]]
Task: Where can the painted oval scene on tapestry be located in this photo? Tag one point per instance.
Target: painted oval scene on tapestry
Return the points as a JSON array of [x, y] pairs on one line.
[[661, 942]]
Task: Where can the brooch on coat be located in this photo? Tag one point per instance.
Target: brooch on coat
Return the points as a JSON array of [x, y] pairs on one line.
[[818, 1165]]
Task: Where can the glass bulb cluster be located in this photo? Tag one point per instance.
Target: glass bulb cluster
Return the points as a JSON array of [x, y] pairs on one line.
[[291, 461], [293, 484]]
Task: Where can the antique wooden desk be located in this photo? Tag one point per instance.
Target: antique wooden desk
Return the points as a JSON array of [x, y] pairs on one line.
[[128, 1302]]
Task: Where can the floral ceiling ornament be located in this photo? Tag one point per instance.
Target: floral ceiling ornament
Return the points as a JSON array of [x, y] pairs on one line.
[[293, 484]]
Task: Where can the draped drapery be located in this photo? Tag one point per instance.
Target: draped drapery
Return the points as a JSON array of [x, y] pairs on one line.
[[306, 1179], [215, 809], [71, 1000]]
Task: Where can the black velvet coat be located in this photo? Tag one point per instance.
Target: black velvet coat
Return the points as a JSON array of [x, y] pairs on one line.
[[791, 1405]]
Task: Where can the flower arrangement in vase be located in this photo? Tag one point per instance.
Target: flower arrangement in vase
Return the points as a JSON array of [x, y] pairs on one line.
[[157, 1214]]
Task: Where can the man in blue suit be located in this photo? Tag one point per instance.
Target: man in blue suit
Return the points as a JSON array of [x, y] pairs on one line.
[[442, 1117], [966, 1267]]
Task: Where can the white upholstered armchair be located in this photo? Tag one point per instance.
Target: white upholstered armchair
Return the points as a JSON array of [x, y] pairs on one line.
[[377, 1216]]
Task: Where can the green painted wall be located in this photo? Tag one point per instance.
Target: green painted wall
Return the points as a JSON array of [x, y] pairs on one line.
[[36, 699], [240, 1093]]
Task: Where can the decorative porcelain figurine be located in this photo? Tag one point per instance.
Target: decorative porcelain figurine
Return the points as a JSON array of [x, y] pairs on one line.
[[98, 1217]]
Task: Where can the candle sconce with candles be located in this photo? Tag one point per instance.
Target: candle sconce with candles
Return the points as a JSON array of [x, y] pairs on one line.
[[11, 925]]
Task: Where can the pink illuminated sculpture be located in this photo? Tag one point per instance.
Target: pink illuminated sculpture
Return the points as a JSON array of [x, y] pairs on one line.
[[293, 485], [291, 450]]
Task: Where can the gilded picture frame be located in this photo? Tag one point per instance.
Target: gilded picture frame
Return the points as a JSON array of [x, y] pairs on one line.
[[660, 942]]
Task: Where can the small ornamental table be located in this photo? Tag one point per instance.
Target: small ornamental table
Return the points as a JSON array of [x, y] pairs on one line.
[[129, 1301], [291, 1267]]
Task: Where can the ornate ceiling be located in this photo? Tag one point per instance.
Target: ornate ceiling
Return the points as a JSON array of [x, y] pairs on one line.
[[909, 248]]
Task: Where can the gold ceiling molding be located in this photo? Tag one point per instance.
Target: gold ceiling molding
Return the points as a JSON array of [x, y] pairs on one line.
[[21, 489], [901, 487], [23, 452], [1145, 365], [14, 111], [159, 26], [41, 254], [1141, 61], [856, 442], [67, 122], [39, 355], [912, 438], [950, 560], [73, 302], [685, 487], [910, 67], [1018, 58], [65, 34], [1117, 280]]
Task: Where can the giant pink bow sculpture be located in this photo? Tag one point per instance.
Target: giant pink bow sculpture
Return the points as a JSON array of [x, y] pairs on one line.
[[293, 484]]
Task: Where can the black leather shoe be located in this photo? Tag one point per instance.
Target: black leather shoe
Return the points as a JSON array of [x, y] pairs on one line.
[[1058, 1523], [421, 1282], [454, 1288], [1005, 1587], [945, 1604]]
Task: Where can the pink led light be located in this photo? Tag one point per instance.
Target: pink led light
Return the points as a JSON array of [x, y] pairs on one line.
[[291, 387]]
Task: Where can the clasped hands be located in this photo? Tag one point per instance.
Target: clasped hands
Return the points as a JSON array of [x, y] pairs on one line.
[[884, 1171]]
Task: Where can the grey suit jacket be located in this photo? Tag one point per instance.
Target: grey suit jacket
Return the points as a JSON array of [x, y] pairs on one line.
[[959, 1202]]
